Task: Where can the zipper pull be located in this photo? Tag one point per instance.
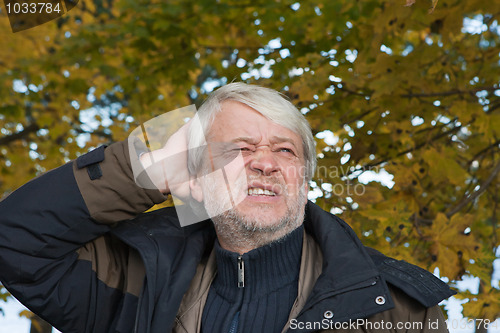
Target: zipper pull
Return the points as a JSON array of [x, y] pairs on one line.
[[241, 272]]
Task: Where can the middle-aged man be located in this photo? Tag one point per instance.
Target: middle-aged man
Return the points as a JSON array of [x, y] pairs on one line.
[[77, 249]]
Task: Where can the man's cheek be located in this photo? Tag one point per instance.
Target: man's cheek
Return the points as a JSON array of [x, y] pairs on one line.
[[294, 174]]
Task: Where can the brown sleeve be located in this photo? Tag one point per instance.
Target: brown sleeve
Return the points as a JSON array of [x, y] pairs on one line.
[[114, 196], [410, 316], [117, 265]]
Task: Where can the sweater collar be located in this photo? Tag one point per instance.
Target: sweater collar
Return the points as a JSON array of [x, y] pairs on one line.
[[261, 270]]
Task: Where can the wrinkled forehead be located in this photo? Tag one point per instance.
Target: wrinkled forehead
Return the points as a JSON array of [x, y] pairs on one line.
[[238, 120]]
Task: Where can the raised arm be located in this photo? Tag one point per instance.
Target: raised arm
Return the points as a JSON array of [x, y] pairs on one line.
[[55, 254]]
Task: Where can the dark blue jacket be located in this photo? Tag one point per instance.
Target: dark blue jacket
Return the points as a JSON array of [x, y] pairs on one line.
[[75, 249]]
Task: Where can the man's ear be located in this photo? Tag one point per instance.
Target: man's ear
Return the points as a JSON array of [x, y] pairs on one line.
[[306, 189], [195, 186]]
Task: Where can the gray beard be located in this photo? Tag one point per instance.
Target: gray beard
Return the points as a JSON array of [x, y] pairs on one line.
[[240, 231]]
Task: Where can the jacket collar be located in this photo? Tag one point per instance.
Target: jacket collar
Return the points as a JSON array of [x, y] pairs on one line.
[[259, 271], [191, 309], [347, 261], [349, 286], [337, 277]]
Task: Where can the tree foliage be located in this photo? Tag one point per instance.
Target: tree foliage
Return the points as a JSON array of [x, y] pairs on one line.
[[405, 88]]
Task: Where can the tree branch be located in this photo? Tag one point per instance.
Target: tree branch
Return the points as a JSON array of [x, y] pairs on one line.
[[483, 151], [352, 92], [31, 128], [242, 47], [101, 134], [418, 146], [493, 108], [451, 92], [442, 125], [431, 94], [420, 220], [475, 194], [359, 117]]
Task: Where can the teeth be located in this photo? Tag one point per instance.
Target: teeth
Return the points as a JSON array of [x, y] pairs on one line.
[[259, 191]]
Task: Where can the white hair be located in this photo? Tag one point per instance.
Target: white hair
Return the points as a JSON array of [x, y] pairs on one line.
[[268, 102]]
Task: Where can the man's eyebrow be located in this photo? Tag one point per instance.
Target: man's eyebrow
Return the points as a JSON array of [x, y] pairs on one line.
[[280, 139], [246, 139], [274, 140]]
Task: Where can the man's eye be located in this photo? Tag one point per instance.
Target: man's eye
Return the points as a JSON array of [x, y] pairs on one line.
[[285, 150]]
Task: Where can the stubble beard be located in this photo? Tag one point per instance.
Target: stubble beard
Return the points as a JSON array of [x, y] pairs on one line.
[[238, 230]]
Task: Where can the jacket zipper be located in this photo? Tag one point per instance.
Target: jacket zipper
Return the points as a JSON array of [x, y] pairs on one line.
[[234, 324], [241, 272], [233, 328]]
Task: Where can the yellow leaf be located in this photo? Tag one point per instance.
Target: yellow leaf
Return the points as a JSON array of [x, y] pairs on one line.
[[443, 167], [26, 313], [368, 195], [450, 246]]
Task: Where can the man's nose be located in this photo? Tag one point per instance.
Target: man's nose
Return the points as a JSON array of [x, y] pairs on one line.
[[263, 161]]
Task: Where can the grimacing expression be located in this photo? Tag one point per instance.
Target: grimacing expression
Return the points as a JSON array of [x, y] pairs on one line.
[[273, 165]]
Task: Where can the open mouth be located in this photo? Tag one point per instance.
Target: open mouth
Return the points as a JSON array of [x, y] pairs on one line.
[[255, 191]]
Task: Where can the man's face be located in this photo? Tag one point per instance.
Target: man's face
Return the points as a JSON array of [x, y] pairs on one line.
[[273, 166]]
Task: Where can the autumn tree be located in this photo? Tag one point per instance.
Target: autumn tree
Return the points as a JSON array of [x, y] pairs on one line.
[[409, 90]]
